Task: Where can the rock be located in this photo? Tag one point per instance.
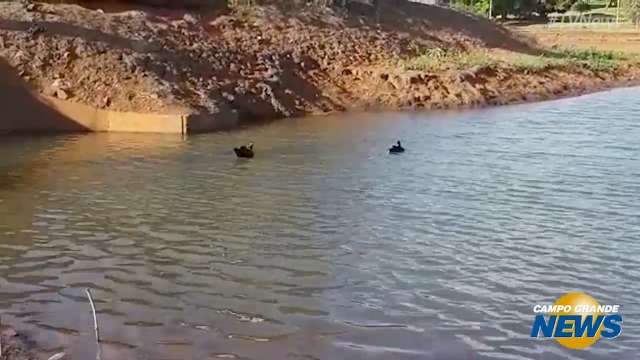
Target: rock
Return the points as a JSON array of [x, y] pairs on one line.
[[19, 58], [104, 102], [49, 91], [61, 94], [68, 57], [57, 89], [176, 23], [228, 96], [129, 62], [190, 19], [81, 50], [38, 63], [9, 333], [465, 75]]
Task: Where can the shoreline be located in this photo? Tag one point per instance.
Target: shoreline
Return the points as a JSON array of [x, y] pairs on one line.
[[177, 123], [14, 346], [573, 93]]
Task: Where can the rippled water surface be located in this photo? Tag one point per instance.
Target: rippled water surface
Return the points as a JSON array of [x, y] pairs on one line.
[[324, 246]]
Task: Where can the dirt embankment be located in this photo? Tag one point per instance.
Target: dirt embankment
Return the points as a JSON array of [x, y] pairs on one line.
[[267, 62]]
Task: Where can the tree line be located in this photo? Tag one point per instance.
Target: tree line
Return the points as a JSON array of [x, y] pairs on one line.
[[540, 8]]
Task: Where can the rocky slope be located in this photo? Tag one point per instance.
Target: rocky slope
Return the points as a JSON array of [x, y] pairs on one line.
[[265, 61]]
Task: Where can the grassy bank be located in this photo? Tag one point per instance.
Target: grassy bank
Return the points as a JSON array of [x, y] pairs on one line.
[[439, 59]]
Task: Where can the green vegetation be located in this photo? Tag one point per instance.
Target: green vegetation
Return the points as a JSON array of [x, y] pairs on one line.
[[632, 9], [439, 59], [480, 7], [581, 6], [502, 8], [443, 59], [629, 9], [591, 59]]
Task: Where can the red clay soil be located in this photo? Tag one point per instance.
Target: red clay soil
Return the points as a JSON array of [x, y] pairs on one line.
[[267, 61]]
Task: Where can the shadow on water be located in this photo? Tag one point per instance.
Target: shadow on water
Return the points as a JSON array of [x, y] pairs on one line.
[[29, 162], [35, 170]]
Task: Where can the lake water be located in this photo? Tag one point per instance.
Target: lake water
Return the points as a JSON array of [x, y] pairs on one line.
[[325, 246]]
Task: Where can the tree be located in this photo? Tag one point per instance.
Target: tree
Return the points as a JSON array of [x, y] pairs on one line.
[[581, 6], [632, 8]]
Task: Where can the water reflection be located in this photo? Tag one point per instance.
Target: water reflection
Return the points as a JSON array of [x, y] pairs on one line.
[[323, 246]]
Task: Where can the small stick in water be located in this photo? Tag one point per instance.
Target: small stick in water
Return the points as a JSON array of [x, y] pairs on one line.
[[95, 318], [95, 324]]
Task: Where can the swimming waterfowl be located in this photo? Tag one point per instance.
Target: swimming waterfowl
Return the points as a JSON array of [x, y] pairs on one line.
[[244, 151], [396, 149]]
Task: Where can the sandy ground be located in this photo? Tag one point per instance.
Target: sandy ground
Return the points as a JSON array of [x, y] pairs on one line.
[[624, 39]]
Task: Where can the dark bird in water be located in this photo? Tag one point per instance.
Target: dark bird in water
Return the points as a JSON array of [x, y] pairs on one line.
[[396, 149], [244, 151]]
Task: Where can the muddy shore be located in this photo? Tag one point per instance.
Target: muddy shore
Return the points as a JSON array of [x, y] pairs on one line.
[[269, 62], [13, 346]]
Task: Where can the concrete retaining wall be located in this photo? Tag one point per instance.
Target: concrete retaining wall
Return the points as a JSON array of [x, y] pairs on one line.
[[44, 114], [116, 121]]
